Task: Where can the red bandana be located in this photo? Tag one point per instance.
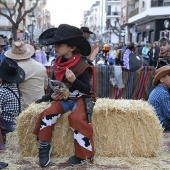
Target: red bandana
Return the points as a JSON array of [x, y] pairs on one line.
[[60, 68]]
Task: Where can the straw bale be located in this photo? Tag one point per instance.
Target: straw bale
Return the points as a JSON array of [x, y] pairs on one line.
[[126, 128], [121, 128], [62, 142]]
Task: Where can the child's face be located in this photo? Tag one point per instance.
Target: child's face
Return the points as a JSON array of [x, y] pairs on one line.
[[64, 50], [166, 81], [164, 47]]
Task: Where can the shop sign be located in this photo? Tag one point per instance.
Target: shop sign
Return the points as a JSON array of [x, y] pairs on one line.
[[146, 26]]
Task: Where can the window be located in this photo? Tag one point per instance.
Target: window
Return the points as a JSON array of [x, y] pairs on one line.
[[143, 4], [136, 4], [166, 2], [157, 3], [109, 10]]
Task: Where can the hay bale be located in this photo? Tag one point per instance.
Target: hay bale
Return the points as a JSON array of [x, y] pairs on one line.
[[62, 142], [126, 128], [121, 128]]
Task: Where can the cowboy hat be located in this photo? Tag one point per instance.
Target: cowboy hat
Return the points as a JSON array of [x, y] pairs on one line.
[[159, 73], [64, 34], [11, 72], [2, 41], [20, 51], [86, 29]]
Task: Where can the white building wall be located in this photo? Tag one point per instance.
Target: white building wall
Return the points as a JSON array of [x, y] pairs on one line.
[[148, 11], [4, 20]]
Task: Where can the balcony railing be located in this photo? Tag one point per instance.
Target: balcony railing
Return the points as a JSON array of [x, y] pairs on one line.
[[113, 13], [113, 0], [160, 3], [134, 12]]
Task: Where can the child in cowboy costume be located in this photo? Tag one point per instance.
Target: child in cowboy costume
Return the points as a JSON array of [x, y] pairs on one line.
[[159, 98], [72, 70], [10, 99]]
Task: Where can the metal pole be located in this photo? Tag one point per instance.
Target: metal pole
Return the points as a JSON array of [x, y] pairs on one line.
[[32, 31]]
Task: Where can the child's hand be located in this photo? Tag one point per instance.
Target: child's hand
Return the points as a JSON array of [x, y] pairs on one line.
[[70, 76], [57, 96]]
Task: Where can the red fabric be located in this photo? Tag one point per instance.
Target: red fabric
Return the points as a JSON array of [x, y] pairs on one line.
[[60, 68]]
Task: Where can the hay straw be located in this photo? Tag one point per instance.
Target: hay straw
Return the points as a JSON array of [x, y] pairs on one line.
[[62, 137], [126, 128], [121, 128]]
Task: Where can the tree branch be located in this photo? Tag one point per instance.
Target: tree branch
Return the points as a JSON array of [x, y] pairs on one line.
[[8, 17], [5, 5], [14, 7], [28, 11]]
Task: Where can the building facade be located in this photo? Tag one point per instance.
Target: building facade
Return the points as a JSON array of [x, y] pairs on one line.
[[148, 20], [97, 16], [32, 25]]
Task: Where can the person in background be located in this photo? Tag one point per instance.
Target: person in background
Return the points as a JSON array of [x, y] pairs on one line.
[[145, 51], [94, 46], [2, 44], [71, 69], [43, 55], [153, 54], [86, 32], [159, 98], [10, 97], [122, 49], [111, 55], [164, 55], [117, 57], [7, 45], [36, 79], [38, 54]]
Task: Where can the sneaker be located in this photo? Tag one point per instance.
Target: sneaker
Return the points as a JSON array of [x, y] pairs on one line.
[[75, 160], [44, 155]]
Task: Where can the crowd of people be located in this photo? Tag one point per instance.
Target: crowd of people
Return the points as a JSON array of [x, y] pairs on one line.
[[118, 54], [24, 80]]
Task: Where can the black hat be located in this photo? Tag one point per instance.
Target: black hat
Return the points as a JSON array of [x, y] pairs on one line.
[[135, 62], [11, 72], [86, 29], [63, 34]]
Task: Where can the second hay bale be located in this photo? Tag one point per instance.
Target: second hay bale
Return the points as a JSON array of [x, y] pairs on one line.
[[126, 128]]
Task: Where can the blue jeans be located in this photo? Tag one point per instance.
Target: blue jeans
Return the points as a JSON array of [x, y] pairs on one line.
[[10, 126], [68, 104]]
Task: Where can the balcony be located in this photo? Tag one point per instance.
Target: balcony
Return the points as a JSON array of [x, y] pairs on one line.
[[113, 1], [113, 14], [134, 12], [160, 3]]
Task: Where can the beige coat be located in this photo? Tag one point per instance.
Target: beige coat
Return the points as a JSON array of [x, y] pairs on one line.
[[36, 80]]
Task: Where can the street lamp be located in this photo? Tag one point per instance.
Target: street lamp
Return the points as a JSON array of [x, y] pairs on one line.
[[33, 22]]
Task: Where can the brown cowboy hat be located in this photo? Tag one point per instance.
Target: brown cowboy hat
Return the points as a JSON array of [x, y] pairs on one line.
[[63, 34], [159, 73], [20, 51], [2, 41]]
